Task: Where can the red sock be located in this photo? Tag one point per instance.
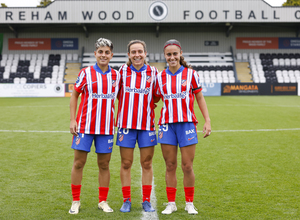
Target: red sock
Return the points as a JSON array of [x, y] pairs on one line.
[[146, 192], [189, 194], [126, 193], [76, 192], [103, 191], [171, 193]]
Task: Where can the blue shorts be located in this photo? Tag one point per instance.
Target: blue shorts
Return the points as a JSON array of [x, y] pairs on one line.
[[103, 143], [128, 138], [183, 133]]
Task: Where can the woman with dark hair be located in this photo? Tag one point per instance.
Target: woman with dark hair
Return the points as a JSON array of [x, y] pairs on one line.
[[98, 86], [135, 121], [177, 86]]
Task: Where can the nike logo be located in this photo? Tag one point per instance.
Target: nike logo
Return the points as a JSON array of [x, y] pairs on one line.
[[190, 138]]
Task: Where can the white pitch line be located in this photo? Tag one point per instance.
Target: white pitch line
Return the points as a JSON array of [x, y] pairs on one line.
[[257, 130], [215, 131], [34, 106], [151, 215]]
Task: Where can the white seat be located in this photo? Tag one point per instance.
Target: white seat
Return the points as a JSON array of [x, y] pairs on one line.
[[13, 69], [17, 80], [47, 80], [28, 56], [239, 56], [23, 80], [157, 57], [280, 79], [22, 56], [31, 69], [69, 56], [231, 79], [36, 75], [6, 75], [4, 56], [151, 57], [291, 73], [33, 56], [75, 56], [245, 56], [3, 63], [45, 56], [225, 80]]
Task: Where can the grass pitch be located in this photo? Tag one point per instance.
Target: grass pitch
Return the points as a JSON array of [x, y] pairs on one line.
[[249, 168]]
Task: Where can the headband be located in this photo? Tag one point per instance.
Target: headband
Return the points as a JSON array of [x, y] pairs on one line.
[[173, 44]]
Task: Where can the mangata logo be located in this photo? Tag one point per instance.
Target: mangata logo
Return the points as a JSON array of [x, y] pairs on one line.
[[176, 96], [158, 11], [103, 96], [135, 90]]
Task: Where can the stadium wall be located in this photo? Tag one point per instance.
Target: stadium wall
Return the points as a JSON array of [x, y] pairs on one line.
[[191, 41]]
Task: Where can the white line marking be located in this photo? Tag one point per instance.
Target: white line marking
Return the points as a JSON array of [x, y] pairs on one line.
[[252, 130], [257, 130], [249, 105], [151, 215], [32, 106]]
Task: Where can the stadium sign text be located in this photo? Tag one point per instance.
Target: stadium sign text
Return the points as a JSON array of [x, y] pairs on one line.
[[89, 11]]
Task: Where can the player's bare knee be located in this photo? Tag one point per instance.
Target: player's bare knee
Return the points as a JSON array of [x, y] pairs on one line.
[[126, 164], [171, 166], [187, 168]]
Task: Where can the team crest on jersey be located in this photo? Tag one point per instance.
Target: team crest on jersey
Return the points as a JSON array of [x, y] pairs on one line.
[[149, 79], [114, 83], [160, 134], [121, 137], [183, 82], [77, 141]]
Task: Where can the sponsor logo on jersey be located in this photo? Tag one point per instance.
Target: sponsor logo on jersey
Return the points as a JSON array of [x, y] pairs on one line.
[[103, 96], [160, 134], [77, 80], [121, 137], [192, 131], [77, 141], [151, 133], [135, 90], [176, 96], [183, 82], [110, 141]]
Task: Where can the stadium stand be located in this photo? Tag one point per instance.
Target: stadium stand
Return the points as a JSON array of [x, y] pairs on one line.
[[32, 68], [275, 67]]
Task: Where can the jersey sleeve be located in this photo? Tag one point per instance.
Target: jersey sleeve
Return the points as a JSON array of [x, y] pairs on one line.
[[196, 86], [80, 82]]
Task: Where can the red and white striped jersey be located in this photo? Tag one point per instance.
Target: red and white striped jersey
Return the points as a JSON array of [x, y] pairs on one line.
[[99, 91], [136, 106], [177, 93]]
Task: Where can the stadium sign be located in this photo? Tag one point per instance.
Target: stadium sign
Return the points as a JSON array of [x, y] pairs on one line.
[[32, 90], [89, 11], [259, 89]]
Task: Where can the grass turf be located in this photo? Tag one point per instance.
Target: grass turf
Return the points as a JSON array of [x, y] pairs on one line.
[[242, 171]]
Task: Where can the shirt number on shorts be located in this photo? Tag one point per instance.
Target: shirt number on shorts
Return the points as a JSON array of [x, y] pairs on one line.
[[125, 130], [163, 127]]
